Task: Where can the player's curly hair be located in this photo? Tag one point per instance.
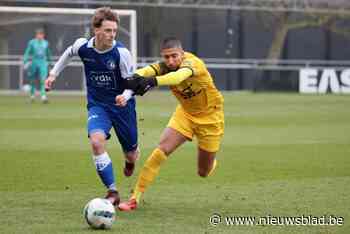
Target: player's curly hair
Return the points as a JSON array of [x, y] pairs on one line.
[[103, 13]]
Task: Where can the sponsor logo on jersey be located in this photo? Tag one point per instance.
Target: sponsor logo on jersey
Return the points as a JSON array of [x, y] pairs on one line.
[[188, 92], [103, 79], [111, 64]]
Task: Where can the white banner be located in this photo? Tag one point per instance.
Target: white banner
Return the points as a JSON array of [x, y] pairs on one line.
[[322, 81]]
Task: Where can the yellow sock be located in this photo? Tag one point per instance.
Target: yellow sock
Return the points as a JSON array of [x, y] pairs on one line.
[[148, 173], [213, 168]]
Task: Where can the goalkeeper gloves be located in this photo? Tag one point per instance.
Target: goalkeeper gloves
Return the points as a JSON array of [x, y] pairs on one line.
[[139, 84]]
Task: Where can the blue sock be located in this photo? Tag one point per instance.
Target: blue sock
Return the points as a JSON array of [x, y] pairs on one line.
[[104, 169]]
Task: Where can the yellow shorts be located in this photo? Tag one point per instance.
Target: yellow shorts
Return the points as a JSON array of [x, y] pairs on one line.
[[208, 133]]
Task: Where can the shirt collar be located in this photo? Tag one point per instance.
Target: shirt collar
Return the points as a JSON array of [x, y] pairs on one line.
[[91, 45]]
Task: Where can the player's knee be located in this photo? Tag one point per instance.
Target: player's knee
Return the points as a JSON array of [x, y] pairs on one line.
[[97, 145], [132, 156], [162, 147], [203, 173], [166, 150], [166, 147]]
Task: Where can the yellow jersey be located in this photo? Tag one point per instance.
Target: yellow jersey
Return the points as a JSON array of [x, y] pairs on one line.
[[197, 94]]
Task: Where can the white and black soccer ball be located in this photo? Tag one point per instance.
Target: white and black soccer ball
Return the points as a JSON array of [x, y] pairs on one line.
[[99, 213]]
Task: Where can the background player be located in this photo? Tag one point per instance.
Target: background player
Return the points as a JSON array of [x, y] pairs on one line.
[[38, 51], [200, 112], [106, 64]]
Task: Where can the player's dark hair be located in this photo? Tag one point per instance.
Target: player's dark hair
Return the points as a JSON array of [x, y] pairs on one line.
[[101, 14], [170, 42]]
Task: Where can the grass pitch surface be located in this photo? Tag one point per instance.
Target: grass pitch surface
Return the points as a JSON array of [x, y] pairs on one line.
[[283, 155]]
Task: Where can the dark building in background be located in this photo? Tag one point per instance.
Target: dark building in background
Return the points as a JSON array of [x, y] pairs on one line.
[[208, 33]]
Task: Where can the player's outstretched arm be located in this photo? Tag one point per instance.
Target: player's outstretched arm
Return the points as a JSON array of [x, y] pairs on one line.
[[49, 82], [175, 78], [140, 84], [148, 71], [63, 61]]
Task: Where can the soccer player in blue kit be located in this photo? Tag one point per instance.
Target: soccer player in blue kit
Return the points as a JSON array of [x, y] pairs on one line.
[[107, 64]]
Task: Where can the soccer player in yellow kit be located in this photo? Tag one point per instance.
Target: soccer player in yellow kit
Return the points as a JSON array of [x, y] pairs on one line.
[[200, 112]]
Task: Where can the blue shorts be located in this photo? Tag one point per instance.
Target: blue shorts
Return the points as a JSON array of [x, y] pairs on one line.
[[123, 120]]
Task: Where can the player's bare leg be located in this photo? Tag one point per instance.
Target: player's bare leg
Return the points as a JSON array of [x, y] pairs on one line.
[[104, 165], [169, 141], [98, 142], [206, 162], [130, 159]]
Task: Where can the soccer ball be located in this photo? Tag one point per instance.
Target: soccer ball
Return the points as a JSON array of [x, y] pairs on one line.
[[99, 213]]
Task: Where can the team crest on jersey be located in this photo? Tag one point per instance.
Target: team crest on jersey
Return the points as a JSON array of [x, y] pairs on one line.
[[111, 64]]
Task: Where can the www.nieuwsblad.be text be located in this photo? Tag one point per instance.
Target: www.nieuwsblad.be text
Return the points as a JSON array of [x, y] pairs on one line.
[[303, 220]]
